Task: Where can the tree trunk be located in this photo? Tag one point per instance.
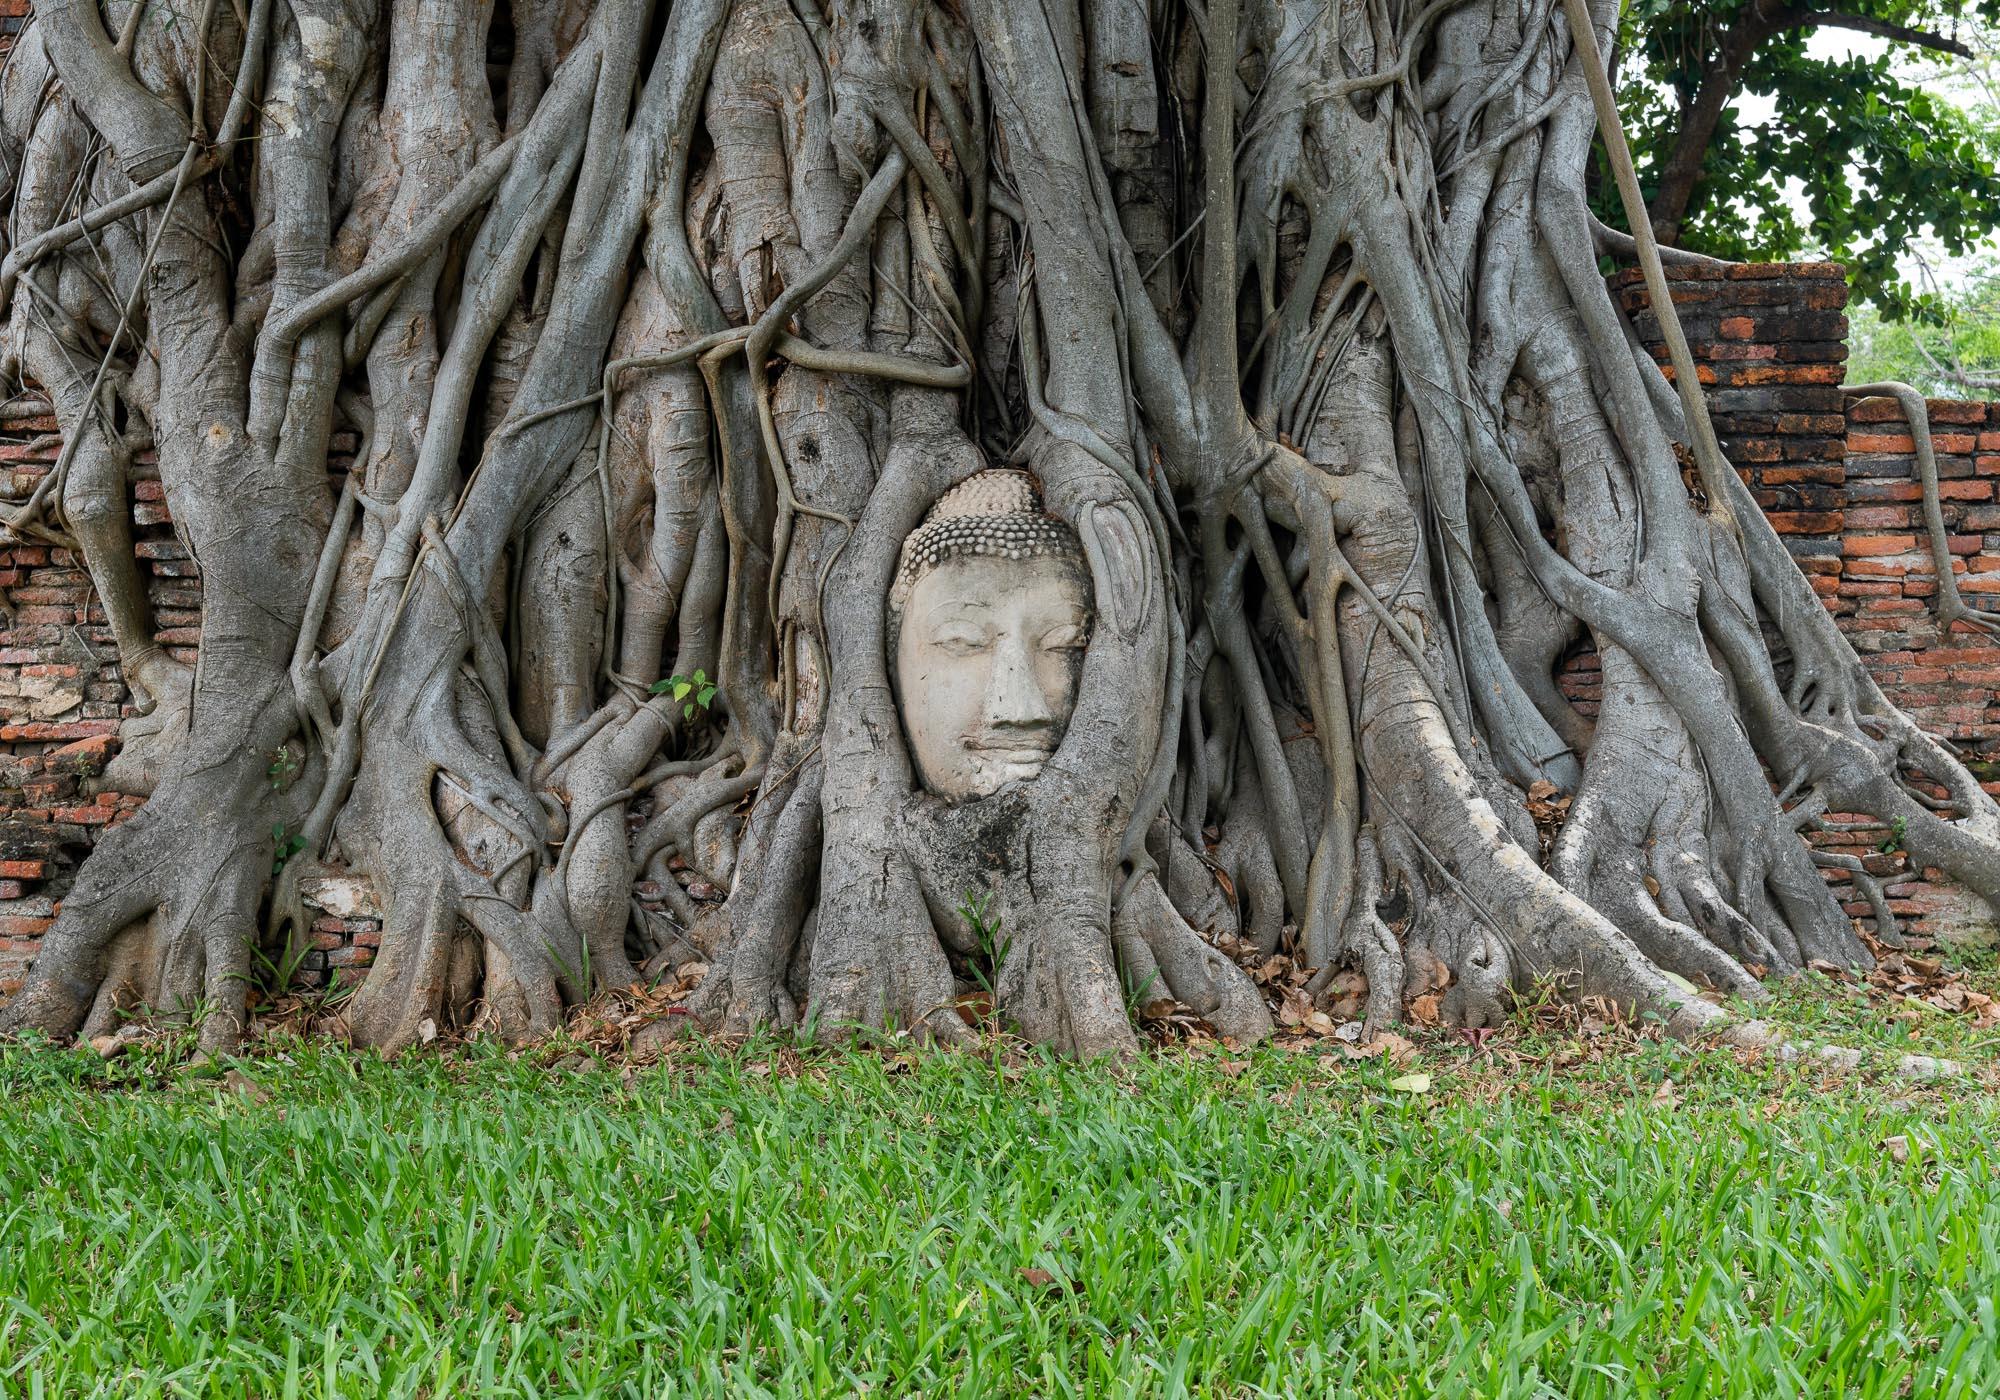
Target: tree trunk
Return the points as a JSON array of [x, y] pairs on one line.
[[1029, 499]]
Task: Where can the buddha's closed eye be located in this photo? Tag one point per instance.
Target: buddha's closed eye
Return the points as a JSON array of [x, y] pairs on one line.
[[962, 641]]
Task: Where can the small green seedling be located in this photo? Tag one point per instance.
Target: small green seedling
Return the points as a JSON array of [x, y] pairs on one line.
[[697, 690], [283, 770], [283, 848], [977, 911], [1894, 841]]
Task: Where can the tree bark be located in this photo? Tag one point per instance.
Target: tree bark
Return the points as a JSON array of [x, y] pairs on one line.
[[669, 347]]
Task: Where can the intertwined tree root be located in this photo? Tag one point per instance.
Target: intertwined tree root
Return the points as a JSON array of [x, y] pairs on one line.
[[664, 327]]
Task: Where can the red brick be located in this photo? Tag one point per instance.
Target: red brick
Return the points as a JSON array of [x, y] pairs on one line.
[[1829, 474], [1864, 545], [1955, 410], [78, 729], [1805, 522], [96, 746], [1880, 442]]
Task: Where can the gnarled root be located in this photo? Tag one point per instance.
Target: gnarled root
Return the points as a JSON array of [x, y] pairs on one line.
[[164, 918], [1161, 956]]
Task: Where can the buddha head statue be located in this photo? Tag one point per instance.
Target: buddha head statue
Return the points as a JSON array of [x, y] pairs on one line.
[[989, 616]]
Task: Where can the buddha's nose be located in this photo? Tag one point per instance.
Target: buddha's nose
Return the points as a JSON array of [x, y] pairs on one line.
[[1015, 698]]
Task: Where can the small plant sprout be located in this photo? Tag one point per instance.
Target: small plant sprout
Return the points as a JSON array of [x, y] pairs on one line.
[[283, 847], [977, 910], [284, 769], [697, 691], [1893, 842]]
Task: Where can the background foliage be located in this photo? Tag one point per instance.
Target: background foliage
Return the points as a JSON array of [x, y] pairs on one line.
[[1863, 155]]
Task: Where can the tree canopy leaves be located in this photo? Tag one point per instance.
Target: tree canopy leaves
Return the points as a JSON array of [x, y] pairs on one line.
[[1879, 160]]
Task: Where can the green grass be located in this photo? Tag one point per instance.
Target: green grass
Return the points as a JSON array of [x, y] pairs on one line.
[[765, 1224]]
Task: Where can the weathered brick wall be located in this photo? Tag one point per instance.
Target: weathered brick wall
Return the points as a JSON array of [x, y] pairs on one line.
[[62, 697], [1885, 597], [1837, 481], [61, 694]]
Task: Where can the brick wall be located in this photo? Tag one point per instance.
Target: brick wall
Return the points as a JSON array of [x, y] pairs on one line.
[[61, 695], [1836, 480], [1885, 597], [62, 698]]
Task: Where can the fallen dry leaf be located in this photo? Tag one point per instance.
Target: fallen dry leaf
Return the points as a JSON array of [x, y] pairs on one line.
[[1385, 1043], [239, 1082], [1043, 1279]]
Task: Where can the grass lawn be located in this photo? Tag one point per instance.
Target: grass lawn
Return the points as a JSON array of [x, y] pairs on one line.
[[1557, 1213]]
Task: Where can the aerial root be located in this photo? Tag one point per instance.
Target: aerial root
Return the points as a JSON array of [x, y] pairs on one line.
[[1161, 956]]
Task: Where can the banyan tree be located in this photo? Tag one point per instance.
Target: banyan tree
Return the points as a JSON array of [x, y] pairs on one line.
[[1037, 492]]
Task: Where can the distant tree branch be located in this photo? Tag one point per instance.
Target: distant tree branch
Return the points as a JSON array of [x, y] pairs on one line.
[[1953, 373], [1681, 171], [1866, 24]]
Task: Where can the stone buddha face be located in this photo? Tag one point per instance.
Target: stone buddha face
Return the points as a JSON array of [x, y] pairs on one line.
[[992, 612]]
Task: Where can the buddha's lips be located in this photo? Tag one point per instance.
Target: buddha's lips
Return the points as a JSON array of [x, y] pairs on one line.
[[1022, 749]]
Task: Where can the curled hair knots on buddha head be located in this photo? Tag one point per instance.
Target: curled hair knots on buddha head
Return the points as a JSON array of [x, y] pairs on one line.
[[993, 514]]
